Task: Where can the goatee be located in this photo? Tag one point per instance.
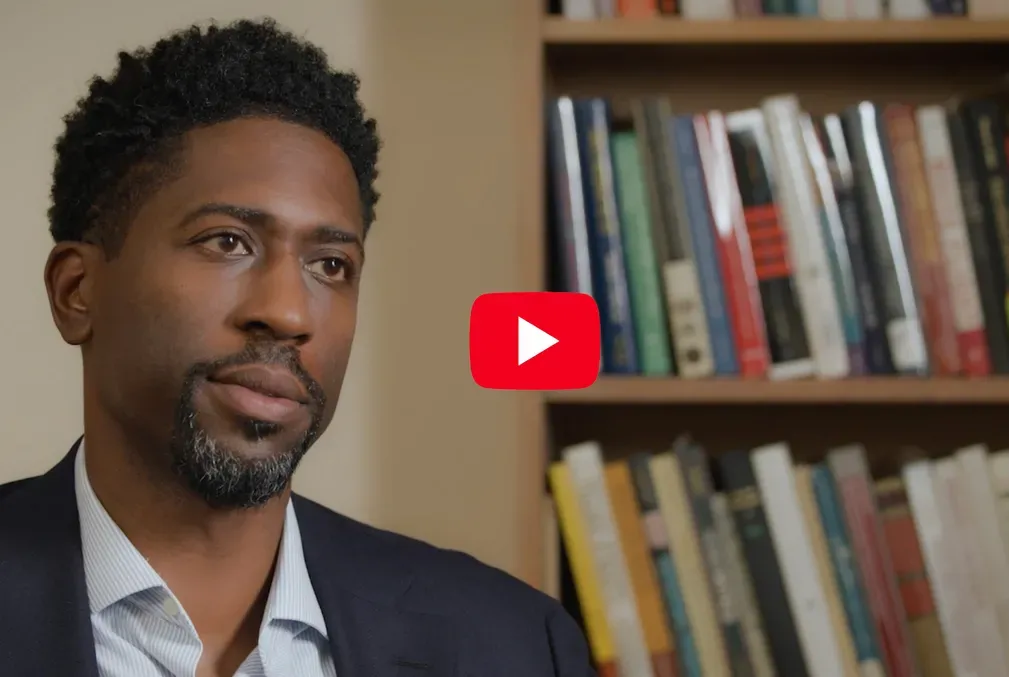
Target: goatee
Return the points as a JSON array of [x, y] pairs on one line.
[[223, 478]]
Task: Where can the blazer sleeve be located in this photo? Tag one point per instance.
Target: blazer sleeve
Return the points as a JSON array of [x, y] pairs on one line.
[[568, 646]]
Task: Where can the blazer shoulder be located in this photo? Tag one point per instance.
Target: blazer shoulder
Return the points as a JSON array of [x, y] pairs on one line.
[[444, 576], [502, 617], [9, 488]]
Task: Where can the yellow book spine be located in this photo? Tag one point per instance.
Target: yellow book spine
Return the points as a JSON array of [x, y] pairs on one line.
[[583, 567]]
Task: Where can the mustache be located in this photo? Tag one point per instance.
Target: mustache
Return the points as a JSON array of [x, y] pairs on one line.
[[265, 354]]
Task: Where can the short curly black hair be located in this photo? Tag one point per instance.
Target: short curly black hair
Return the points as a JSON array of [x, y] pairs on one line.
[[125, 136]]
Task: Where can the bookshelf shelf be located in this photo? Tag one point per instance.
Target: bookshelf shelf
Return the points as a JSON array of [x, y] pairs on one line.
[[789, 31], [882, 391]]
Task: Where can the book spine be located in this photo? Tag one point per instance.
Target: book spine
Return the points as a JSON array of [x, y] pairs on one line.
[[877, 348], [762, 562], [979, 495], [748, 8], [825, 570], [733, 246], [834, 9], [783, 321], [644, 580], [569, 197], [647, 302], [709, 269], [939, 556], [986, 133], [685, 547], [867, 9], [849, 581], [968, 316], [981, 616], [836, 247], [923, 240], [912, 577], [772, 465], [658, 541], [584, 572], [637, 9], [801, 216], [848, 467], [632, 654], [740, 588], [699, 492], [609, 270], [989, 268], [688, 324], [885, 240]]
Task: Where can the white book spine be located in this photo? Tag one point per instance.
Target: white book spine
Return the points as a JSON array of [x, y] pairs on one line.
[[982, 506], [944, 188], [907, 341], [940, 557], [867, 9], [834, 9], [772, 466], [801, 217], [832, 235], [578, 10], [707, 9], [980, 617], [586, 465], [909, 9], [998, 464]]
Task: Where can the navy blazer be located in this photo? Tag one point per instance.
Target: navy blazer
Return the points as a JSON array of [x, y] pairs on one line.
[[394, 606]]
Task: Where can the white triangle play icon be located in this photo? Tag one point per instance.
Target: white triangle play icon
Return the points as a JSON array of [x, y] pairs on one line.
[[532, 341]]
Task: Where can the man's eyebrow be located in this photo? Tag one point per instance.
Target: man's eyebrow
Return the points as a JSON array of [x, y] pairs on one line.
[[260, 219]]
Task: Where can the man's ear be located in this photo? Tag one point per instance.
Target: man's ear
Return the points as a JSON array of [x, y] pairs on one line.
[[69, 276]]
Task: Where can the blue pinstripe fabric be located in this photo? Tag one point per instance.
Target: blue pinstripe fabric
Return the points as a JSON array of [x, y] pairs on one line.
[[141, 630]]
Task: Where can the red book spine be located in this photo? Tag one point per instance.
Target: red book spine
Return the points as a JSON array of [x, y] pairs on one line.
[[923, 239], [872, 556], [637, 9], [735, 256]]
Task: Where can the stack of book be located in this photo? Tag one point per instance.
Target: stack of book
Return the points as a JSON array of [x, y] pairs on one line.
[[750, 563], [809, 9], [773, 243]]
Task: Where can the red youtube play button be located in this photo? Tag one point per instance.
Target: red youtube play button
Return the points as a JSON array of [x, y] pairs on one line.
[[534, 341]]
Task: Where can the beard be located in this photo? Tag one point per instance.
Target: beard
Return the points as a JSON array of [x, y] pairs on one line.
[[221, 476]]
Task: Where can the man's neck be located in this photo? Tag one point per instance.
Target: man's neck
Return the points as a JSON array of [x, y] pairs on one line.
[[218, 563]]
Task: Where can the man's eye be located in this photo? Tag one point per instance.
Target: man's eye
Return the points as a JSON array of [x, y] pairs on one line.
[[332, 268], [227, 243]]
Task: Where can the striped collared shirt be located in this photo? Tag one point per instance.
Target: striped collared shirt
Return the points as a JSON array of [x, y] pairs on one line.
[[141, 629]]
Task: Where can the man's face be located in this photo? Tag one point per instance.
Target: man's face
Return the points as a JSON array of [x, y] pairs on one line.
[[222, 330]]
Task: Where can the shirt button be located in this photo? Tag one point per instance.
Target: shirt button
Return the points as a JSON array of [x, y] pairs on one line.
[[170, 607]]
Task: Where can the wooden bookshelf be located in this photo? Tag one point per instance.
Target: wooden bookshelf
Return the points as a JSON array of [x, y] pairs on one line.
[[731, 65], [772, 31], [862, 391]]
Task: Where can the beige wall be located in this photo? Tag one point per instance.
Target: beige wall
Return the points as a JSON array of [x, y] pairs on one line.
[[415, 446]]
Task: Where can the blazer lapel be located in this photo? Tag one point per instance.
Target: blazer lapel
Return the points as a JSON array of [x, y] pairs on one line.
[[362, 586], [45, 623]]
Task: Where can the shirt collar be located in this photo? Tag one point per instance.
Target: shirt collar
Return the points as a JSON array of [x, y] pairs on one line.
[[115, 570]]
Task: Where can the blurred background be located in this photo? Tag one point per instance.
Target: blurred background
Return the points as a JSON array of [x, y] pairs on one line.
[[794, 216]]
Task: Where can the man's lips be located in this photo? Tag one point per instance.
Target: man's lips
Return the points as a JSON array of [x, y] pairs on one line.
[[260, 392]]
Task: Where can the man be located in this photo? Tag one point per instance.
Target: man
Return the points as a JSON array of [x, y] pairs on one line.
[[210, 204]]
